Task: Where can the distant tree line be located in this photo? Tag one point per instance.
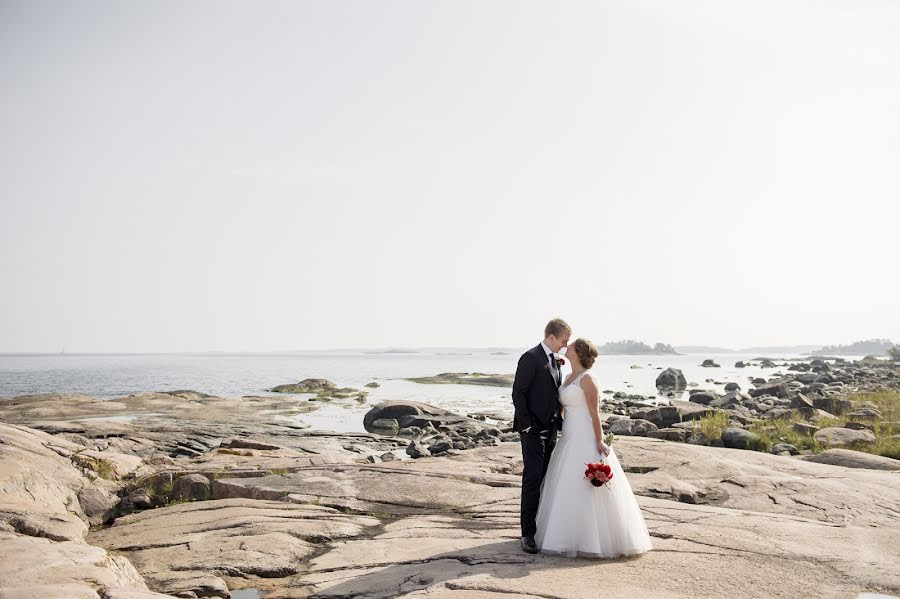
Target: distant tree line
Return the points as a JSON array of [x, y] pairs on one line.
[[630, 346], [872, 347]]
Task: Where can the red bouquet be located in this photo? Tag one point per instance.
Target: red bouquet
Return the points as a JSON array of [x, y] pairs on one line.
[[598, 473]]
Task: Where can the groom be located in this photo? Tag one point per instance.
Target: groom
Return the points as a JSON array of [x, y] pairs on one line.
[[536, 398]]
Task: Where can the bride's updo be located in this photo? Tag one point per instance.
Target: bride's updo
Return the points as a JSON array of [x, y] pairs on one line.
[[587, 352]]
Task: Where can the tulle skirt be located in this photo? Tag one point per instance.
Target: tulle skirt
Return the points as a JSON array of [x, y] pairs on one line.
[[577, 519]]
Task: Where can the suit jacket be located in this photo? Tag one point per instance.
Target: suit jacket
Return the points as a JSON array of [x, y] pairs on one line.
[[535, 393]]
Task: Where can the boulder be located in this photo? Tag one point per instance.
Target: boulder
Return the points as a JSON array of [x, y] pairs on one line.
[[703, 397], [441, 446], [686, 411], [710, 364], [801, 401], [415, 449], [838, 436], [865, 414], [662, 416], [632, 427], [739, 438], [97, 504], [732, 387], [414, 413], [669, 434], [137, 500], [779, 448], [194, 487], [775, 389], [671, 378]]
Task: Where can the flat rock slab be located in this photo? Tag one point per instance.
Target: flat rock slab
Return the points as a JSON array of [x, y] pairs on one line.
[[196, 547], [380, 487], [38, 567]]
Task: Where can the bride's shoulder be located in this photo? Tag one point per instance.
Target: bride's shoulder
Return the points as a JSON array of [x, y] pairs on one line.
[[588, 380]]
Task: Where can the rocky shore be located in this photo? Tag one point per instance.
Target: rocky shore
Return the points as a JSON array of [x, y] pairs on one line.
[[183, 494]]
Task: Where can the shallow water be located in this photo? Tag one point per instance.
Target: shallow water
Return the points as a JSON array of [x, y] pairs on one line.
[[108, 376]]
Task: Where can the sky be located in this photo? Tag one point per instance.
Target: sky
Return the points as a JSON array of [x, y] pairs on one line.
[[264, 176]]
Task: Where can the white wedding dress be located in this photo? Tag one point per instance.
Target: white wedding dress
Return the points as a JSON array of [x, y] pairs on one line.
[[575, 518]]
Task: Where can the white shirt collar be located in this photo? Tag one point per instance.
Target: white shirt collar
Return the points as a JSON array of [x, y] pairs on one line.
[[546, 349]]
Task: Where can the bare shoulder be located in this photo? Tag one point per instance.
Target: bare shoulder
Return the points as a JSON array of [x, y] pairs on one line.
[[588, 382]]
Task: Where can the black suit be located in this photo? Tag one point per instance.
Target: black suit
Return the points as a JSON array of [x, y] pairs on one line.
[[536, 399]]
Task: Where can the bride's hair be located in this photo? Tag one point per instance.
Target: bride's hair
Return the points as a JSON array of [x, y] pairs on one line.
[[587, 352]]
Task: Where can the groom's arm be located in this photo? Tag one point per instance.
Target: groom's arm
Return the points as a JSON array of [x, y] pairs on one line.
[[521, 385]]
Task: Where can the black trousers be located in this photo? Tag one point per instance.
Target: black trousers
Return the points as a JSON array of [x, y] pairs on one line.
[[536, 456]]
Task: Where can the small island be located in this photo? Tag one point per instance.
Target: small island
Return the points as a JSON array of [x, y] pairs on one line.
[[871, 347], [466, 378], [631, 347]]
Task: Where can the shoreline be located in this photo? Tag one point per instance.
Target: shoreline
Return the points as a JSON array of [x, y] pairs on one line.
[[206, 495]]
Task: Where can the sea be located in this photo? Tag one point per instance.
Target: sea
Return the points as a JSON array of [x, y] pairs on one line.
[[107, 376]]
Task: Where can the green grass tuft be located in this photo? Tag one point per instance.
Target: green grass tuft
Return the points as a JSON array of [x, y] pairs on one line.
[[711, 426]]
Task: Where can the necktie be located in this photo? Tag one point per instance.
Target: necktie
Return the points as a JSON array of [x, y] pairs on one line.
[[555, 368]]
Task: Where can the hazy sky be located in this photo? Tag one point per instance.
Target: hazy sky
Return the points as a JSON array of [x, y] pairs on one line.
[[190, 176]]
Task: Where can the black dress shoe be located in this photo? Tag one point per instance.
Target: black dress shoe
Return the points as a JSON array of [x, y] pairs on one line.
[[528, 545]]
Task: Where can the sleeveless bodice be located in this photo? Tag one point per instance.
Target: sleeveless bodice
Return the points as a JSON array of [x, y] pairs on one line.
[[571, 396]]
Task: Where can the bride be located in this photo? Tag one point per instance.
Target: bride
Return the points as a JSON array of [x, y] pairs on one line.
[[575, 518]]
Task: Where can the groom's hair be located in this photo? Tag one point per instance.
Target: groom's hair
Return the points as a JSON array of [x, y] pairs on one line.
[[557, 327]]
